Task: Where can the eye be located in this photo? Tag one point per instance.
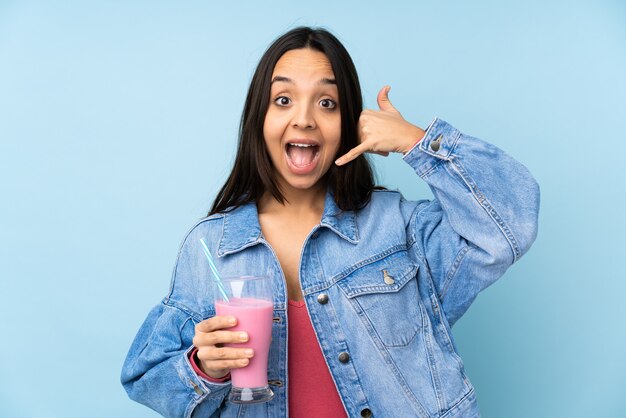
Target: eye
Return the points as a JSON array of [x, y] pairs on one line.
[[328, 103], [282, 100]]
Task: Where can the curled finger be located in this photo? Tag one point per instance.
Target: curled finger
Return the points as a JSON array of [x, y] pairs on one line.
[[219, 337], [224, 353], [214, 323], [220, 365], [383, 153]]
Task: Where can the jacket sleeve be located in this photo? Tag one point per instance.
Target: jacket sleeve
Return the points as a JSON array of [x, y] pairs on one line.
[[483, 217], [157, 371]]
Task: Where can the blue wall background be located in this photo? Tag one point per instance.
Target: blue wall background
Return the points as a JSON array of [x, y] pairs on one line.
[[118, 122]]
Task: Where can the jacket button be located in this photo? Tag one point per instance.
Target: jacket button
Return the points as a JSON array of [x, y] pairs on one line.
[[344, 357], [366, 413], [387, 278], [196, 388], [434, 145], [322, 298]]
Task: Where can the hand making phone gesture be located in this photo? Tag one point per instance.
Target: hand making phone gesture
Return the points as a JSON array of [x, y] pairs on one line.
[[383, 131]]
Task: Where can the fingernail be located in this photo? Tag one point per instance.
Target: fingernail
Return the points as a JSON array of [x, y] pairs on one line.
[[244, 361], [232, 321], [248, 352], [243, 336], [338, 161]]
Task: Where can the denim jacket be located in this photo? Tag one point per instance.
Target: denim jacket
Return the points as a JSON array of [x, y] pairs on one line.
[[382, 285]]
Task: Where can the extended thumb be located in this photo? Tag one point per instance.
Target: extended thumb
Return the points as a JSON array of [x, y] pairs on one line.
[[383, 99]]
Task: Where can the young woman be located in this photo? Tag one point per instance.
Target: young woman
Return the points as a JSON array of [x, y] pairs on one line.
[[366, 284]]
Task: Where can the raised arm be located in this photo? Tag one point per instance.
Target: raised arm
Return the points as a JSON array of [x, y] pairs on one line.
[[484, 215]]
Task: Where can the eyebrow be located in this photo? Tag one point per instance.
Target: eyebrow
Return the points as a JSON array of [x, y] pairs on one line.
[[323, 81]]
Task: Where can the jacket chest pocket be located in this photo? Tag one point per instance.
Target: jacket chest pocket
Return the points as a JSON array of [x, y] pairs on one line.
[[385, 296]]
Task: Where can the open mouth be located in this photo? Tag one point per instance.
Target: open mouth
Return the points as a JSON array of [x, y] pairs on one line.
[[302, 156]]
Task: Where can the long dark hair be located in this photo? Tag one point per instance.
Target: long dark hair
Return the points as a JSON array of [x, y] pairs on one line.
[[253, 172]]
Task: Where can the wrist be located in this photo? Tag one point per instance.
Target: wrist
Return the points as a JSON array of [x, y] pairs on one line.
[[415, 135]]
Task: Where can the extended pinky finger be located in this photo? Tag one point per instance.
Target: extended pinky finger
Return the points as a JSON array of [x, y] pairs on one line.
[[226, 364], [351, 155]]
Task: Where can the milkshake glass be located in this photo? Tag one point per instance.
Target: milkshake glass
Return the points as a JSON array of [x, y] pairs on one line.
[[250, 300]]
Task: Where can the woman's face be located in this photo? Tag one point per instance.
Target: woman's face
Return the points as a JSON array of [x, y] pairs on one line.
[[302, 127]]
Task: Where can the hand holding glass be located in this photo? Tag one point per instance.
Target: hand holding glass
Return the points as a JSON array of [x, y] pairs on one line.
[[250, 300]]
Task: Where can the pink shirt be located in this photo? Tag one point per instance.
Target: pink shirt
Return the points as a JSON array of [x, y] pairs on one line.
[[312, 391]]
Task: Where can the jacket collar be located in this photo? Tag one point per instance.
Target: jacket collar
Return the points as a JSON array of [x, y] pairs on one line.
[[343, 223], [241, 228]]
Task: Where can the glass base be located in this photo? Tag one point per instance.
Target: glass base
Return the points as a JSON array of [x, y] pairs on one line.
[[250, 395]]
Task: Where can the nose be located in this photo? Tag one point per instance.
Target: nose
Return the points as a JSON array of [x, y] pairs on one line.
[[303, 117]]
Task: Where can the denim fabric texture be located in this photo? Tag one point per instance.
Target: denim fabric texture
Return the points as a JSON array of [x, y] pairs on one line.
[[397, 275]]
